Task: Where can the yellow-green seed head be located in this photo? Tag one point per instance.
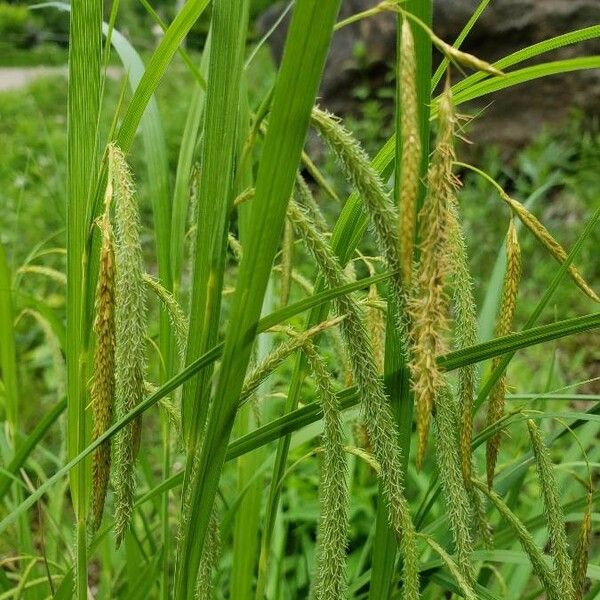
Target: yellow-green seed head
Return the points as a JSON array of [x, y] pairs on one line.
[[103, 378], [410, 159]]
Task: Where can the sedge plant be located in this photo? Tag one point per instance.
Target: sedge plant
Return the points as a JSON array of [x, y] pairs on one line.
[[250, 413]]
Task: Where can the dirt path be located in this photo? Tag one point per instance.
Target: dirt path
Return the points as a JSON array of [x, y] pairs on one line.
[[15, 78]]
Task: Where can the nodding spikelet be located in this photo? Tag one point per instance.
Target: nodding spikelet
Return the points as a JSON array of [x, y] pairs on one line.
[[465, 59], [235, 246], [48, 272], [177, 317], [209, 560], [410, 159], [504, 326], [103, 378], [369, 185], [457, 500], [287, 256], [536, 557], [428, 305], [377, 417], [463, 583], [264, 368], [330, 577], [549, 242], [559, 546], [453, 54], [465, 335], [130, 319], [581, 556]]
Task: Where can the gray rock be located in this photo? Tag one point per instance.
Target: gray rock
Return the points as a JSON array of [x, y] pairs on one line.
[[366, 49]]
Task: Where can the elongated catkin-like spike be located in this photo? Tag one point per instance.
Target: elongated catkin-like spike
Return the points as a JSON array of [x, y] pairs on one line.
[[410, 159], [581, 556], [504, 326], [428, 303], [103, 378], [330, 579], [176, 315], [549, 242], [559, 546], [465, 335], [465, 332], [378, 419], [263, 369], [457, 499], [538, 562], [130, 318], [369, 184]]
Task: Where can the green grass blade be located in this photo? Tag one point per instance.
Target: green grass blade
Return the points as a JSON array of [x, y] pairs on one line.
[[249, 486], [27, 445], [559, 41], [215, 196], [294, 95], [156, 68], [85, 56], [8, 352], [526, 74], [181, 191], [396, 374], [310, 414]]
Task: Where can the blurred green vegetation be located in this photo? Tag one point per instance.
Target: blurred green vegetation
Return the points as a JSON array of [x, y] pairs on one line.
[[39, 36]]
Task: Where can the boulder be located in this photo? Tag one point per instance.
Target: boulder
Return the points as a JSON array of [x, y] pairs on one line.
[[365, 50]]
